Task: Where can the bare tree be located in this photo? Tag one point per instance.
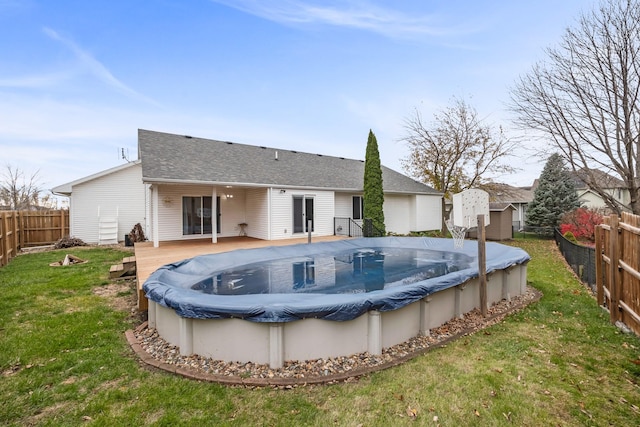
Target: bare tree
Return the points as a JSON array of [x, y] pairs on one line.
[[19, 191], [456, 151], [585, 98]]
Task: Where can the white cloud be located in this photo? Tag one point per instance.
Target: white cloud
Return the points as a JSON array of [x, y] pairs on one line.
[[360, 15], [96, 68], [35, 81]]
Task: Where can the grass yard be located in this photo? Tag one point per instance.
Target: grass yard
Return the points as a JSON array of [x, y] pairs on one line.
[[64, 360]]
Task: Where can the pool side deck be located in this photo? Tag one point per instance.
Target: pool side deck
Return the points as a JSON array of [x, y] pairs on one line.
[[150, 258]]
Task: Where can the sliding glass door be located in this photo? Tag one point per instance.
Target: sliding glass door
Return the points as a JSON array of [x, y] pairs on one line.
[[302, 213], [196, 215]]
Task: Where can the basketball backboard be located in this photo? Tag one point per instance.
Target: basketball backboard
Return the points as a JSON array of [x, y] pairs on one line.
[[467, 205]]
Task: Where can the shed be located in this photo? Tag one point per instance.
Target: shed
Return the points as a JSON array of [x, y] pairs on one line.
[[501, 225]]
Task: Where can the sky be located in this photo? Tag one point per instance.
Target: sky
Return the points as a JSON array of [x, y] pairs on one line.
[[79, 78]]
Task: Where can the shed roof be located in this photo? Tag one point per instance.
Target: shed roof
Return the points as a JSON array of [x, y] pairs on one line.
[[184, 159]]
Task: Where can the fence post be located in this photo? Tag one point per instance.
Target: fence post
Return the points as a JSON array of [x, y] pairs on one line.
[[598, 262], [3, 239], [17, 229], [62, 223], [614, 275], [7, 239]]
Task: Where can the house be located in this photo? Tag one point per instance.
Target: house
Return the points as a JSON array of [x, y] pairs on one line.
[[184, 187], [611, 186]]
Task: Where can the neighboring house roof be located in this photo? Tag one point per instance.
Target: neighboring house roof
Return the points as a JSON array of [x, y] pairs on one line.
[[173, 158], [66, 189], [602, 179], [505, 193]]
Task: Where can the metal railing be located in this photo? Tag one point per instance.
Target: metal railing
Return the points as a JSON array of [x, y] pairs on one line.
[[349, 227]]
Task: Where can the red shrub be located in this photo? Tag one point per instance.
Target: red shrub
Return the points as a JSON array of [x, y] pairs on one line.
[[581, 222]]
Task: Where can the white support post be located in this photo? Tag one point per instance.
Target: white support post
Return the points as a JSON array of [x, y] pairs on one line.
[[214, 215], [151, 315], [375, 333], [482, 266], [523, 279], [186, 336], [506, 295], [276, 345], [425, 317], [155, 200], [457, 310]]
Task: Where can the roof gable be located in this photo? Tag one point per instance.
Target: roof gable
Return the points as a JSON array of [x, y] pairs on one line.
[[177, 158], [67, 188]]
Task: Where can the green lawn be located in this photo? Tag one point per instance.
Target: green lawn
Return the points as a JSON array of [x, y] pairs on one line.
[[64, 360]]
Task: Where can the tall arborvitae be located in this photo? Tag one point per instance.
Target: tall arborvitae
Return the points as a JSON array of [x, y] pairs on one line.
[[554, 196], [373, 194]]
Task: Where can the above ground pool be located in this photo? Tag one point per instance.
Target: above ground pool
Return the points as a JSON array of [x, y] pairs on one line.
[[323, 299]]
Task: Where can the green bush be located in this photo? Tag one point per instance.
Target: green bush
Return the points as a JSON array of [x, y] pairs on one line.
[[570, 237]]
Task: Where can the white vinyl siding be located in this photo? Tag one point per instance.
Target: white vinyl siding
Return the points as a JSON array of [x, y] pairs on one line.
[[119, 194], [232, 211], [170, 210], [282, 212], [396, 213], [427, 213], [343, 205], [257, 213], [406, 213]]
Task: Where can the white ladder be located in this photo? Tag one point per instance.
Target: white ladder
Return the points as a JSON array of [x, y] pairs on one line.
[[107, 229]]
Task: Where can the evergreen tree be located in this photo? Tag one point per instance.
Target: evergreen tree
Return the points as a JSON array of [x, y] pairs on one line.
[[554, 196], [373, 194]]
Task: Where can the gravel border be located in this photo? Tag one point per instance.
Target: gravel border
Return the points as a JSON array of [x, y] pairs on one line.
[[156, 352]]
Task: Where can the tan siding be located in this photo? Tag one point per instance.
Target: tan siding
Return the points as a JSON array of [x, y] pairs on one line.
[[118, 194]]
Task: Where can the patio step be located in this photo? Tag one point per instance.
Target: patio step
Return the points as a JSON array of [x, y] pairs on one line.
[[124, 270]]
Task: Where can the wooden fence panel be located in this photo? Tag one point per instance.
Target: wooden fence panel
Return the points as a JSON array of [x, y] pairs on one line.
[[618, 253], [44, 227], [630, 271], [19, 229], [9, 236]]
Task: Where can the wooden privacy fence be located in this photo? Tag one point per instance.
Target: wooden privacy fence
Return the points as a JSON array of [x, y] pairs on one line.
[[618, 268], [21, 229]]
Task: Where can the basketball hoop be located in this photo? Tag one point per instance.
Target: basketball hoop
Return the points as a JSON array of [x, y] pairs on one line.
[[457, 233]]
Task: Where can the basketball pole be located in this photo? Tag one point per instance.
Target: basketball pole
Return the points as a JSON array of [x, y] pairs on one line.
[[482, 265]]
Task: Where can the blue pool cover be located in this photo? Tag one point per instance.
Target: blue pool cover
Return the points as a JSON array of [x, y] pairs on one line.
[[183, 286]]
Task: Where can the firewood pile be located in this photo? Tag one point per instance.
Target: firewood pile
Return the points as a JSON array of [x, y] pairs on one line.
[[69, 242], [136, 234]]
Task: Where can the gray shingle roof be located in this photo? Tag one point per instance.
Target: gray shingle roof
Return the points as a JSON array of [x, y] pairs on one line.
[[178, 158]]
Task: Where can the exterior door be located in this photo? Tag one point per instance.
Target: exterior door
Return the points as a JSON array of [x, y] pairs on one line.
[[302, 213]]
